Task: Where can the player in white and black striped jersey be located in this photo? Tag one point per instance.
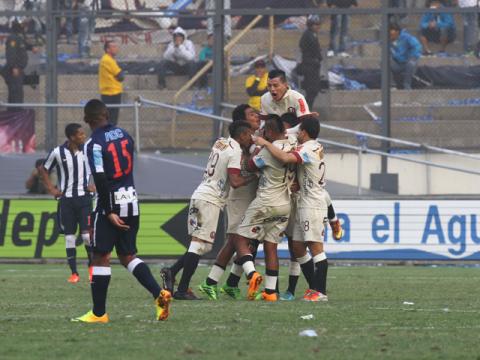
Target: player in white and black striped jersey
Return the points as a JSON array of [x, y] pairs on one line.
[[73, 191]]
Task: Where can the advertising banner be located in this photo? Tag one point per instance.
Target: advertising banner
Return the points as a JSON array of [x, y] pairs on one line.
[[373, 230]]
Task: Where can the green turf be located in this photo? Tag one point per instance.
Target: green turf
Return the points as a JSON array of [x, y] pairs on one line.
[[364, 319]]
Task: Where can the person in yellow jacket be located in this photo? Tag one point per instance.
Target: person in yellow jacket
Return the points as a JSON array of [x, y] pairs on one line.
[[256, 85], [110, 78]]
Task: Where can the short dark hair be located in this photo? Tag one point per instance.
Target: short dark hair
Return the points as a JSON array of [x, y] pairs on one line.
[[290, 118], [311, 125], [271, 117], [93, 109], [106, 45], [237, 128], [238, 113], [71, 129], [277, 73], [275, 124], [394, 26], [39, 162]]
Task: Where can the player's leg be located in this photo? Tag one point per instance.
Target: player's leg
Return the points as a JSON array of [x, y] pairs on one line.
[[83, 217], [69, 224], [202, 225], [104, 236], [209, 286], [321, 269], [246, 261], [271, 272], [337, 231], [294, 271], [126, 250]]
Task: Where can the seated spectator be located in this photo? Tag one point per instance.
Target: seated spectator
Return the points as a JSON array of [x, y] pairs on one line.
[[256, 85], [205, 55], [35, 184], [436, 28], [405, 51], [179, 57]]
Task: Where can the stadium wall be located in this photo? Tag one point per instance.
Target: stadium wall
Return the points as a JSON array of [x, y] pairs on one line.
[[374, 230]]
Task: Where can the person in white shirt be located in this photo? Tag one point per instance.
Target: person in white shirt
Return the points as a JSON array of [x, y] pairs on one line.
[[280, 99], [178, 58], [311, 207], [221, 173]]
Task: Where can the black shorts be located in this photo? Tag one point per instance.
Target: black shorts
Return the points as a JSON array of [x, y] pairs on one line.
[[105, 236], [72, 212]]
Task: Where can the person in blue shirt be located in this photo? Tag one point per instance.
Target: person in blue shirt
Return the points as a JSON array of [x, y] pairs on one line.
[[437, 28], [405, 52]]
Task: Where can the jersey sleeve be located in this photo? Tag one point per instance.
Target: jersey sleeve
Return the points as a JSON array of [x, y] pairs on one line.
[[235, 159], [51, 160], [261, 159], [302, 107], [303, 155], [95, 158]]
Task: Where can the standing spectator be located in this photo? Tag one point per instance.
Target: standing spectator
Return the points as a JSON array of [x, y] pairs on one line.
[[16, 60], [227, 23], [110, 77], [256, 85], [470, 33], [406, 51], [83, 29], [436, 28], [206, 54], [337, 21], [179, 57], [311, 59]]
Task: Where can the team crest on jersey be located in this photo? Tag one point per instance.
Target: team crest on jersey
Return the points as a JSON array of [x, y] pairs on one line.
[[291, 110], [256, 229]]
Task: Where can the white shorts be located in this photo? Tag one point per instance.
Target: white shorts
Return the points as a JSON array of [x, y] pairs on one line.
[[203, 220], [264, 223], [309, 224], [236, 209]]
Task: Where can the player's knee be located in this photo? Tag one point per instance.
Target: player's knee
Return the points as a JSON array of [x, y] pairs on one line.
[[200, 248], [70, 241], [86, 239]]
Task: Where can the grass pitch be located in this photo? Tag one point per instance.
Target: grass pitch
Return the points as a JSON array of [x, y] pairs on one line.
[[366, 318]]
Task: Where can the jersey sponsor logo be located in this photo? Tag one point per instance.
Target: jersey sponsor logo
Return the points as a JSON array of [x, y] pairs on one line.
[[279, 219], [302, 105], [114, 134], [123, 196]]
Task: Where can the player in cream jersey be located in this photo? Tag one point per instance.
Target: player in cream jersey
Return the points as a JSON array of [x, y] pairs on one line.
[[312, 206], [222, 171], [280, 99]]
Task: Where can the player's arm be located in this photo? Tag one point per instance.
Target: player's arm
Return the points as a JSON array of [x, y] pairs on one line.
[[43, 172], [236, 180], [280, 155]]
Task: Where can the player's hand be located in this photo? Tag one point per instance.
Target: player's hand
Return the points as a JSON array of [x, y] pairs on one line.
[[259, 141], [91, 188], [56, 193], [16, 71], [118, 222]]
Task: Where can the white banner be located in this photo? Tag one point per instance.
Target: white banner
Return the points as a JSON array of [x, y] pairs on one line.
[[405, 230]]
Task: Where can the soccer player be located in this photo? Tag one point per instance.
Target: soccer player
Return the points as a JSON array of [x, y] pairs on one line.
[[267, 216], [75, 200], [222, 172], [280, 99], [311, 208], [236, 205], [116, 217]]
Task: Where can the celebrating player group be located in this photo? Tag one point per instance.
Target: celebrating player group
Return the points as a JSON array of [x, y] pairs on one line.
[[269, 174]]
